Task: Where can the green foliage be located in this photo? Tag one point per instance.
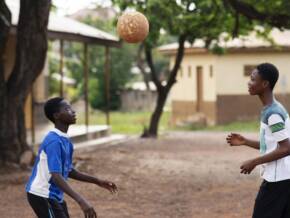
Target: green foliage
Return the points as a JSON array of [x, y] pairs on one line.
[[71, 92], [215, 49], [204, 19], [185, 20], [94, 94], [120, 67], [195, 19], [274, 13], [54, 86], [271, 7], [53, 83]]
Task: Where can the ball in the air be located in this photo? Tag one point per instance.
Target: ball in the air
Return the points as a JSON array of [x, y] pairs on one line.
[[133, 27]]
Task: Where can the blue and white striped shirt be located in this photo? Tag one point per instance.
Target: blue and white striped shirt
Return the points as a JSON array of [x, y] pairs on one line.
[[54, 156]]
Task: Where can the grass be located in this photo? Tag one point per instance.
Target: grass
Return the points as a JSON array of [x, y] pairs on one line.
[[134, 123], [126, 122], [239, 126]]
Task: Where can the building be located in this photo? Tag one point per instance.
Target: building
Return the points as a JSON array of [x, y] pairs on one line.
[[60, 29], [214, 86], [137, 98]]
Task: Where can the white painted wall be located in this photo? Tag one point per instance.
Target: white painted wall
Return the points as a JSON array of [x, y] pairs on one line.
[[230, 71], [228, 74], [185, 88]]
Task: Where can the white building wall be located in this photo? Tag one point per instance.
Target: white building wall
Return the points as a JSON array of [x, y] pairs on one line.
[[230, 79], [185, 89]]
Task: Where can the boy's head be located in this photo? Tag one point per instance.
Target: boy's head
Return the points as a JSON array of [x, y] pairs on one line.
[[263, 77], [59, 110]]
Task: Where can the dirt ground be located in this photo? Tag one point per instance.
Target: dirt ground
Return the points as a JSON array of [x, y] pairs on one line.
[[180, 175]]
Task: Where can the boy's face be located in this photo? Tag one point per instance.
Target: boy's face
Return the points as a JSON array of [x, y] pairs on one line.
[[256, 85], [66, 114]]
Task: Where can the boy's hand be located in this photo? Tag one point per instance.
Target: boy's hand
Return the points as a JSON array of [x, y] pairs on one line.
[[248, 166], [235, 139], [87, 209], [109, 186]]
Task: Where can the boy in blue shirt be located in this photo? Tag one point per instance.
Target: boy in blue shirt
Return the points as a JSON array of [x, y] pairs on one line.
[[273, 198], [53, 166]]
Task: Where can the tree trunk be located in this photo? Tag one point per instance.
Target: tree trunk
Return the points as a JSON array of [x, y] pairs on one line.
[[5, 22], [31, 50], [152, 131], [162, 91], [140, 65]]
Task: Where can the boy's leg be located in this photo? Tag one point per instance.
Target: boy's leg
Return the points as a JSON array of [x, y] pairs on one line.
[[272, 199], [40, 206], [286, 212], [64, 205], [59, 209]]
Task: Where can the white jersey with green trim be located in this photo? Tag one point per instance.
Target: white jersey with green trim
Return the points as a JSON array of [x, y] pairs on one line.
[[275, 127]]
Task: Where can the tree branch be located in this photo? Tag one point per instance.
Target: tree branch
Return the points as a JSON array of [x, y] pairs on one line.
[[249, 11], [155, 79], [140, 64], [236, 29], [179, 56], [31, 45], [5, 22]]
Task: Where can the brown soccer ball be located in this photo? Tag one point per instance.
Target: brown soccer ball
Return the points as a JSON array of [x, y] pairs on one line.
[[133, 27]]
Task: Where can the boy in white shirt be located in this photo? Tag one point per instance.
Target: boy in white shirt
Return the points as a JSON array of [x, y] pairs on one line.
[[273, 199]]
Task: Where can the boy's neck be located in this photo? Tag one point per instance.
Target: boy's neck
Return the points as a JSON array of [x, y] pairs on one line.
[[62, 127], [267, 98]]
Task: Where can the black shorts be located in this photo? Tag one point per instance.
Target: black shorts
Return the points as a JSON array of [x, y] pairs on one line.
[[273, 200], [47, 208]]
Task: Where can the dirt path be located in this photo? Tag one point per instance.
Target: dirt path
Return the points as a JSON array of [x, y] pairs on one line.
[[180, 175]]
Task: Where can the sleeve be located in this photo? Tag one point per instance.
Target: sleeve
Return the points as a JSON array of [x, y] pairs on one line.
[[277, 127], [54, 160]]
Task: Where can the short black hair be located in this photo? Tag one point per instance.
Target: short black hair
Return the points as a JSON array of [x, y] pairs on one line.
[[52, 106], [268, 72]]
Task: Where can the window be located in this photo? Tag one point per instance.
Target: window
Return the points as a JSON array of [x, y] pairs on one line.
[[199, 87], [248, 69], [181, 72], [210, 71], [189, 71]]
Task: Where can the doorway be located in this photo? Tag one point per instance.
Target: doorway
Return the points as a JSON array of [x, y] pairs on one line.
[[199, 88]]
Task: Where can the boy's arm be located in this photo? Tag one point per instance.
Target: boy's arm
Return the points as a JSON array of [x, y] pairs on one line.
[[74, 174], [235, 139], [65, 187], [281, 151], [54, 160], [252, 143]]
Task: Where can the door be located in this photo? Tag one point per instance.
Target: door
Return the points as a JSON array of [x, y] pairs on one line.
[[199, 88]]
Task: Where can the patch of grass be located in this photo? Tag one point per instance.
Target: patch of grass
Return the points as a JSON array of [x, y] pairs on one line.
[[134, 123], [239, 126], [125, 122]]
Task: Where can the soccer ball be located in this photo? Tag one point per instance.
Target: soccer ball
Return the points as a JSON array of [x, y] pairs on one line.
[[133, 27]]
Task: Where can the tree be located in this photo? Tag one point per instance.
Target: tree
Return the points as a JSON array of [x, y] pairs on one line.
[[187, 20], [31, 50], [120, 67], [274, 13]]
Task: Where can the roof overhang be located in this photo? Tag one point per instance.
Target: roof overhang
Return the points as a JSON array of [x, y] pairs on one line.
[[64, 28], [284, 49], [279, 41]]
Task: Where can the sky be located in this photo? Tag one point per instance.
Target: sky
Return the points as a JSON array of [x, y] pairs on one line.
[[70, 6]]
